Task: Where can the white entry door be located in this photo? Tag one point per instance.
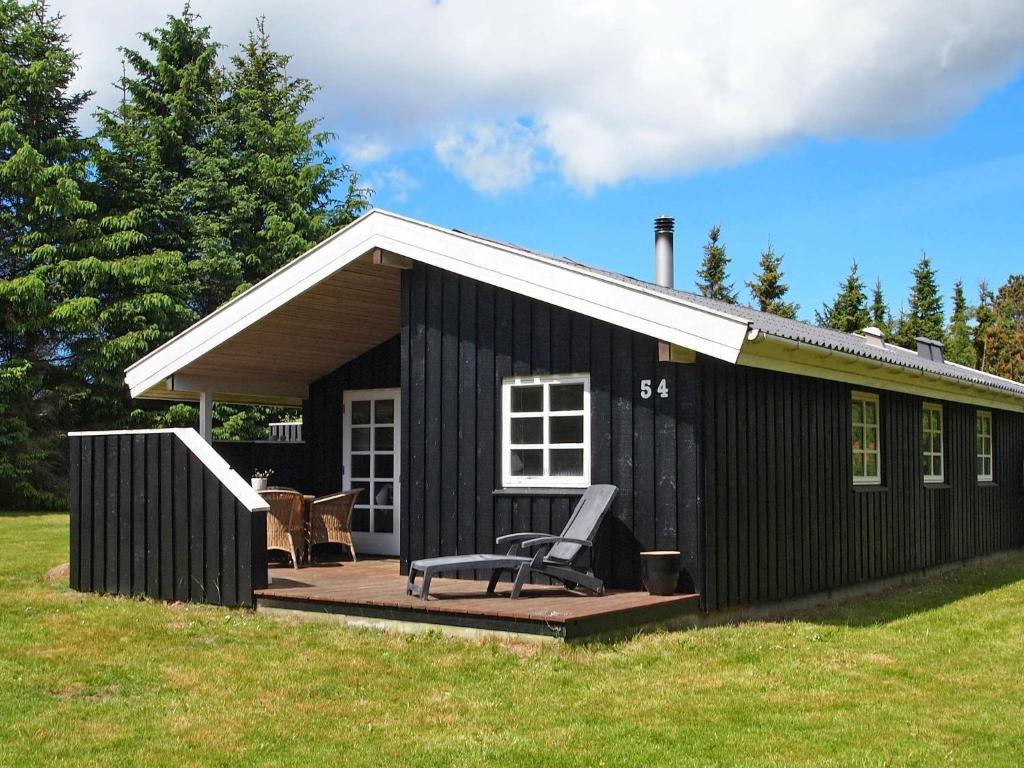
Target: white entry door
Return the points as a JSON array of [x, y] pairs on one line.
[[372, 425]]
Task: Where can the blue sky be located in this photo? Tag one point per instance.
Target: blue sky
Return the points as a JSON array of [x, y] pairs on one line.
[[834, 130], [955, 192]]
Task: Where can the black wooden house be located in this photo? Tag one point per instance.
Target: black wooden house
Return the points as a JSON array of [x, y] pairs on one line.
[[473, 387]]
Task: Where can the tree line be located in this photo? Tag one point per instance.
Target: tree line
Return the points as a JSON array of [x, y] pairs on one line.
[[204, 177], [987, 335]]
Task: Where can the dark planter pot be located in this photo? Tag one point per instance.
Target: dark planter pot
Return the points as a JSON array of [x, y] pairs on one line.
[[660, 571]]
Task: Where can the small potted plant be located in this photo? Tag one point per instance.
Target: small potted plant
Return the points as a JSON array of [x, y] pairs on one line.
[[260, 478]]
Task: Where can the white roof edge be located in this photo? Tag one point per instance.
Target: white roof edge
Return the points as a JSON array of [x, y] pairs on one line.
[[546, 278], [206, 454]]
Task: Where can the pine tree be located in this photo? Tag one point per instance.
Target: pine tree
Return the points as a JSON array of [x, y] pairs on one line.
[[283, 180], [767, 288], [924, 316], [1004, 335], [848, 312], [959, 345], [714, 270], [162, 258], [879, 313], [984, 317], [43, 216]]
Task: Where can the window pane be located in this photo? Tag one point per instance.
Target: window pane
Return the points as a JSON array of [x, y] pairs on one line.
[[870, 412], [858, 465], [527, 462], [566, 429], [364, 497], [360, 411], [385, 439], [361, 439], [361, 519], [566, 397], [384, 412], [528, 430], [925, 464], [384, 520], [529, 398], [566, 462], [981, 466], [361, 466], [871, 438], [858, 438], [872, 465], [383, 494], [384, 466], [858, 412]]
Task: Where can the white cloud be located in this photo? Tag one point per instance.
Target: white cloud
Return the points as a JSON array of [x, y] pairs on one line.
[[491, 157], [611, 90], [393, 184], [366, 151]]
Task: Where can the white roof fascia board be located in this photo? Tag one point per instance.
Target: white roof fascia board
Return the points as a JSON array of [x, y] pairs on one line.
[[542, 278], [206, 454]]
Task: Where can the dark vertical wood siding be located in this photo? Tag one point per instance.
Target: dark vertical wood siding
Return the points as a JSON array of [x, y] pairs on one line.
[[460, 339], [782, 517], [322, 418], [147, 518], [288, 460]]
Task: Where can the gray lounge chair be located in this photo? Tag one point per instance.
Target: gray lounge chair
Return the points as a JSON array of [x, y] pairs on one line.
[[554, 555]]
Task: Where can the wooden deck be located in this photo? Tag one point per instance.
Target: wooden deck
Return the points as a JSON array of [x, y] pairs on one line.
[[374, 589]]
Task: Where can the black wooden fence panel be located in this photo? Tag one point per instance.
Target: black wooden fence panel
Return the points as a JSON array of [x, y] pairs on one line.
[[148, 518], [782, 517]]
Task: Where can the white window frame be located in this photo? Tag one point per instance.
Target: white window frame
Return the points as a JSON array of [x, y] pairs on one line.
[[986, 441], [544, 480], [941, 453], [864, 451]]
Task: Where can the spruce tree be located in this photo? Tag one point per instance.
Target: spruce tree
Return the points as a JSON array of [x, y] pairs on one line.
[[1004, 335], [848, 312], [162, 258], [984, 317], [924, 316], [714, 270], [284, 183], [879, 313], [959, 345], [767, 288], [43, 219]]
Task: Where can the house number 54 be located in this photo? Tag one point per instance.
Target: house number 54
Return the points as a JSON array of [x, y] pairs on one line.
[[646, 392]]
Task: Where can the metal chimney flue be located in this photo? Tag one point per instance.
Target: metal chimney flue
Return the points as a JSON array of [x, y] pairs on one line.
[[664, 227]]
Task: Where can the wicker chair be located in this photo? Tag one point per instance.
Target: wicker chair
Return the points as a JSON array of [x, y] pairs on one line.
[[285, 529], [330, 521]]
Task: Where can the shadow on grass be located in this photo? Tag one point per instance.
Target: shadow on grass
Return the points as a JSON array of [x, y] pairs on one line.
[[923, 592]]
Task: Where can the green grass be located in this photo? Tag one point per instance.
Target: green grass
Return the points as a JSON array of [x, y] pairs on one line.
[[927, 675]]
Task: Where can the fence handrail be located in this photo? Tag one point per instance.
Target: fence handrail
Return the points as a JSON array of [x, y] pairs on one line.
[[206, 454]]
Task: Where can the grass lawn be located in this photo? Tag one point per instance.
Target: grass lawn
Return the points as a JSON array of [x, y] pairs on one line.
[[927, 675]]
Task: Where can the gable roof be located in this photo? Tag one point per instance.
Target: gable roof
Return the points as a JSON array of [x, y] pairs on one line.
[[605, 296], [729, 332]]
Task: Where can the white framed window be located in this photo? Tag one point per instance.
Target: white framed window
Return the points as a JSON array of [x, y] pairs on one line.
[[546, 431], [867, 456], [931, 442], [983, 445]]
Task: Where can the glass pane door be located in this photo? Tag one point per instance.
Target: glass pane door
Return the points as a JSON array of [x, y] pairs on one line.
[[371, 465]]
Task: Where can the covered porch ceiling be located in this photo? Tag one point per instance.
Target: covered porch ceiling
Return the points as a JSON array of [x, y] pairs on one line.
[[275, 359]]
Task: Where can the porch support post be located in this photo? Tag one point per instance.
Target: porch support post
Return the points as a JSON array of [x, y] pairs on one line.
[[206, 415]]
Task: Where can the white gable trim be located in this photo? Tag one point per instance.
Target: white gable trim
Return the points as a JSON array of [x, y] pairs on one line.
[[206, 454], [563, 284]]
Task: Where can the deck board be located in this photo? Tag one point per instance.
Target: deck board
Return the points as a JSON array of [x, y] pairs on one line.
[[376, 588]]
